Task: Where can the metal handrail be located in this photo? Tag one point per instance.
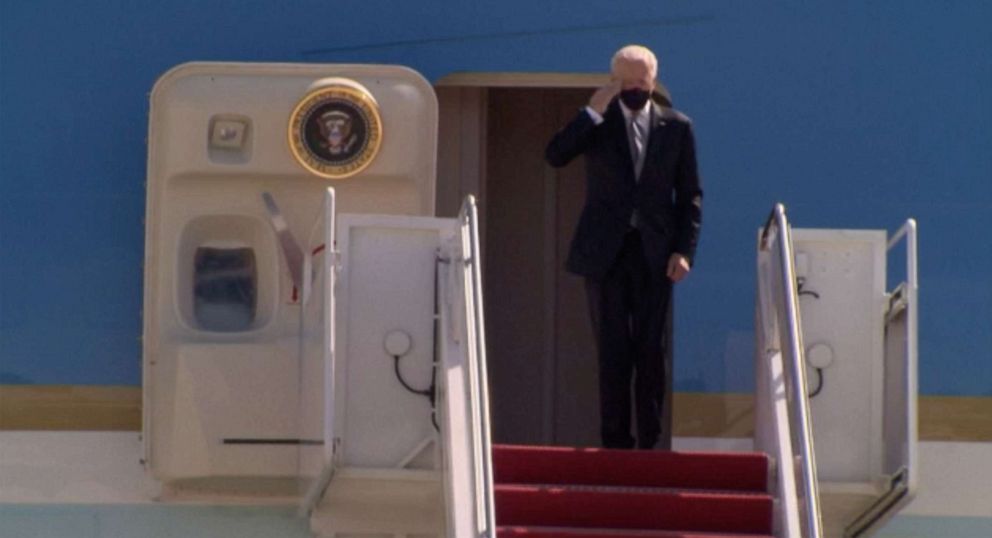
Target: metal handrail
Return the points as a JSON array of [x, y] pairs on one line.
[[323, 479], [910, 291], [797, 368], [902, 483], [481, 435], [909, 232]]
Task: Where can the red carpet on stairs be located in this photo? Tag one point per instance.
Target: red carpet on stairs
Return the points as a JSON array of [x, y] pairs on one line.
[[544, 492], [557, 532]]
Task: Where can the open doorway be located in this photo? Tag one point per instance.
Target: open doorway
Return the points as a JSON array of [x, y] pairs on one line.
[[542, 359]]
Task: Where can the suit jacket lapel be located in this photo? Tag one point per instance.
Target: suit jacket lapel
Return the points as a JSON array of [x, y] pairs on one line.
[[657, 127], [657, 135]]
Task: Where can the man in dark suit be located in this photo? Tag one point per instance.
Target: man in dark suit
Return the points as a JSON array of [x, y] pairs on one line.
[[636, 236]]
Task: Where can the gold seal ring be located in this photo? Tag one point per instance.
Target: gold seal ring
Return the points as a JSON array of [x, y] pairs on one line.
[[335, 131]]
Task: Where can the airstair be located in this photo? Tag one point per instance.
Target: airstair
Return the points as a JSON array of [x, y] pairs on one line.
[[325, 346]]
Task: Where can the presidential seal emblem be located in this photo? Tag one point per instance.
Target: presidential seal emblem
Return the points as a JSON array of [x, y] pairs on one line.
[[335, 131]]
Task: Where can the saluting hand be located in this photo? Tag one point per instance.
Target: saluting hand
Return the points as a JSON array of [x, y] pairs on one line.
[[601, 99]]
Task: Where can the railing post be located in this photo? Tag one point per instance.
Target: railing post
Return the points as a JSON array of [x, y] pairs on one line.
[[481, 433], [323, 479], [787, 330]]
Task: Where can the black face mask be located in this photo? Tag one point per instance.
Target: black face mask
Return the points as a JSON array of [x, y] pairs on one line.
[[635, 98]]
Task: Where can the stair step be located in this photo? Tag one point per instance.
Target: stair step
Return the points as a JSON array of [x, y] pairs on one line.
[[564, 506], [519, 464], [642, 489], [570, 532]]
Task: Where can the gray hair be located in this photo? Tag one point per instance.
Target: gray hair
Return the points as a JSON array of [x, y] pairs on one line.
[[636, 53]]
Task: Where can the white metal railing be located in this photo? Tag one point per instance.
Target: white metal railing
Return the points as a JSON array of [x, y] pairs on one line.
[[463, 399], [782, 378], [319, 484], [468, 219], [904, 310], [463, 382], [899, 425]]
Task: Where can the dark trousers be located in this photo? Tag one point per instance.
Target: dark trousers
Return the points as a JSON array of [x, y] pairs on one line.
[[629, 310]]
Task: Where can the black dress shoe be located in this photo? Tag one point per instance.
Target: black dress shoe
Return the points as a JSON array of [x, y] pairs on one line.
[[647, 445]]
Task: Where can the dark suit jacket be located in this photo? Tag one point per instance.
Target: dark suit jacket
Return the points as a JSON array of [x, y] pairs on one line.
[[668, 197]]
